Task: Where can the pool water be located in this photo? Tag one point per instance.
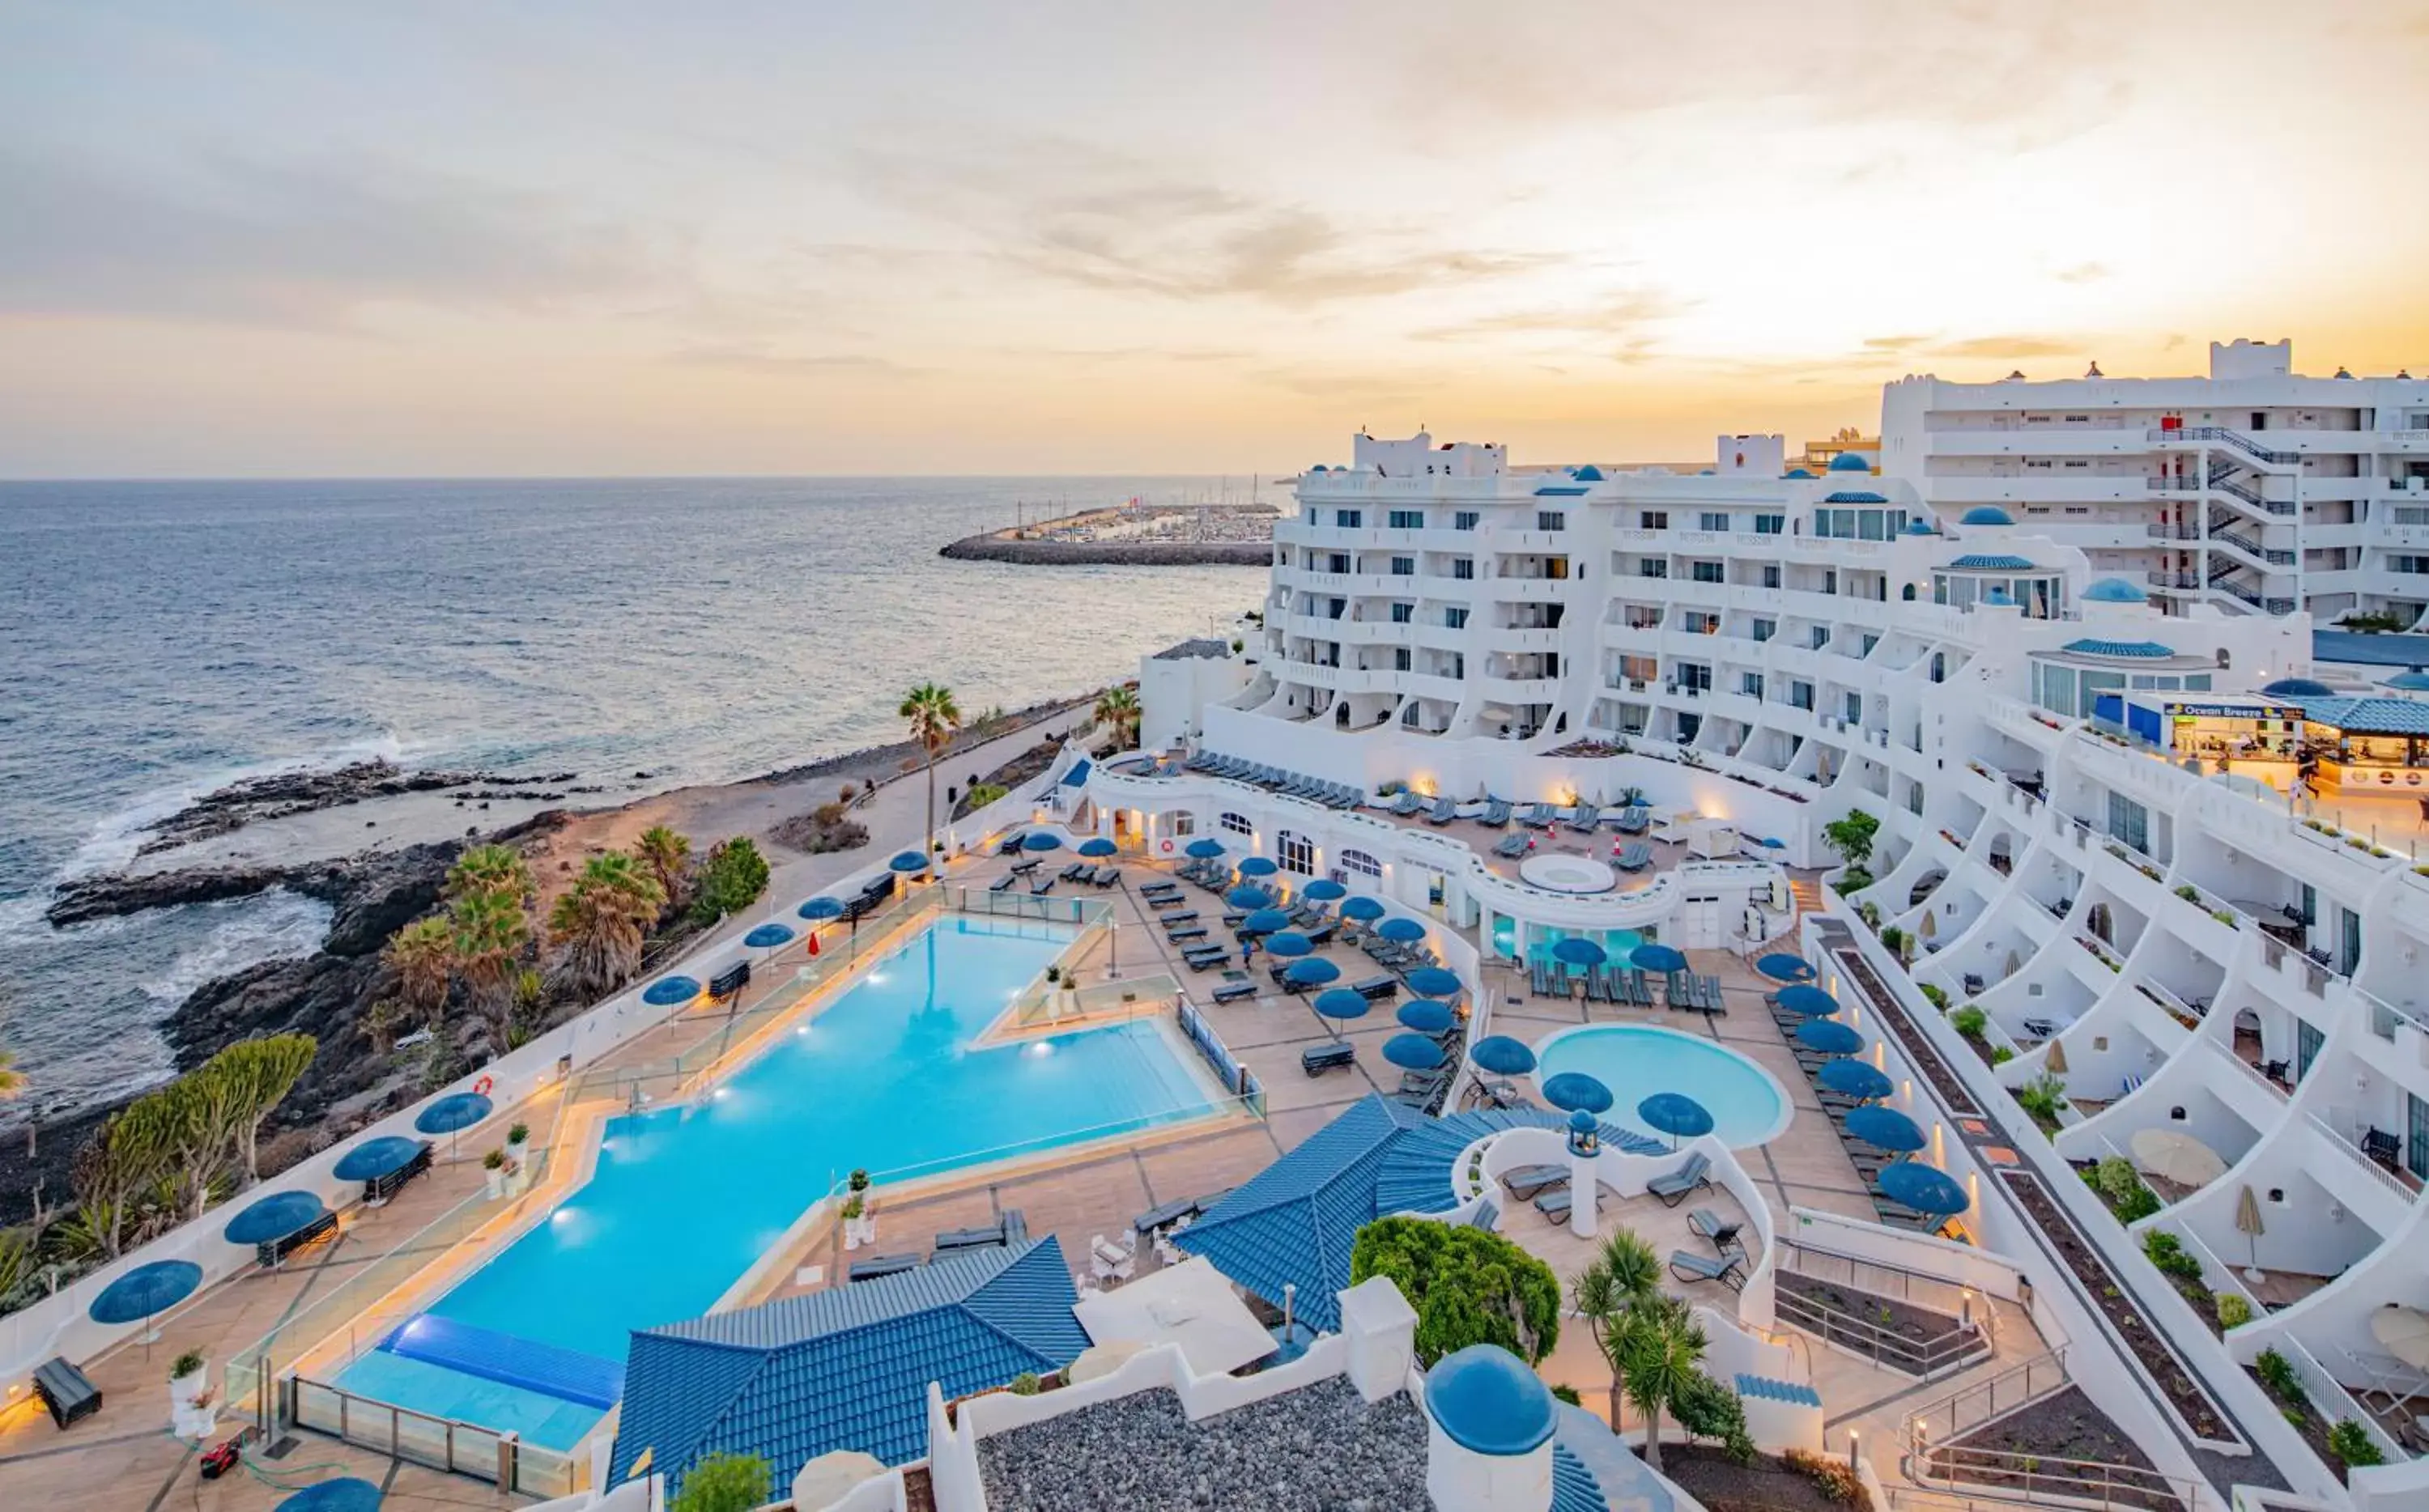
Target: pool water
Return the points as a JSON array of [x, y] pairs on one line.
[[1635, 1060], [685, 1199]]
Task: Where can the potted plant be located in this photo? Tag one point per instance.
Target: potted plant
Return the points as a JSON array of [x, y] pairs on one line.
[[193, 1412], [516, 1137], [494, 1163], [859, 1212]]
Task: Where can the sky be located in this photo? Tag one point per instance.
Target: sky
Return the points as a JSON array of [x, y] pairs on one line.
[[592, 238]]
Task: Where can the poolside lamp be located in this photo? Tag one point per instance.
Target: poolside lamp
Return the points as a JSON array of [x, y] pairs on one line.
[[1585, 1134]]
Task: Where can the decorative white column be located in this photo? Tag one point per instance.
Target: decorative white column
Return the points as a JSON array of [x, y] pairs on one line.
[[1585, 1147], [1489, 1434]]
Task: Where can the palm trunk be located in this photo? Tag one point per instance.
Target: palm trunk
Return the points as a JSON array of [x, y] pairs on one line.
[[928, 845], [1653, 1438], [1615, 1410]]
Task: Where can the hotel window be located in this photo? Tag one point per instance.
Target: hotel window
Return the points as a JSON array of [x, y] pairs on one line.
[[1750, 683], [1852, 709], [1299, 853], [2308, 1043], [1653, 567], [1403, 614], [1551, 520], [1715, 521], [1360, 863], [1820, 637], [1770, 524], [1337, 561], [1182, 823], [2129, 822], [1800, 694], [1463, 520], [1404, 566], [1696, 676], [1347, 516], [1870, 641], [1705, 571], [1237, 822], [1771, 575], [1653, 519], [1763, 629], [1455, 618], [1463, 568], [1408, 520], [2416, 1136], [1399, 658], [1700, 623]]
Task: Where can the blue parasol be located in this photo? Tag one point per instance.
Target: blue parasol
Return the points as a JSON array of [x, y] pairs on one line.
[[347, 1493], [1259, 866], [1657, 958], [1313, 971], [1854, 1079], [1323, 890], [1884, 1129], [1248, 896], [1364, 909], [1041, 840], [1925, 1189], [1433, 981], [1266, 921], [1412, 1052], [1578, 951], [275, 1216], [912, 861], [1502, 1056], [668, 990], [1574, 1091], [767, 937], [1097, 847], [1289, 943], [1401, 931], [1675, 1114], [457, 1110], [821, 908], [1206, 849], [1780, 967], [374, 1159], [146, 1291], [1342, 1003], [1812, 1002], [1829, 1036], [1426, 1017]]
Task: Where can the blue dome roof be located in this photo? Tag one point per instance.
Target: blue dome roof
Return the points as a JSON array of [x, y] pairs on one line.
[[1589, 473], [1319, 468], [2298, 687], [2115, 590], [1998, 599], [1796, 472], [1918, 527], [1985, 515], [1850, 462], [1583, 1122], [1488, 1402]]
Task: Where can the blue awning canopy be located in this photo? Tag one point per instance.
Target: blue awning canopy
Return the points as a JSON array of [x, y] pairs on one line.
[[1674, 1113], [1323, 890], [1342, 1003], [1827, 1036], [1259, 866], [1041, 840], [1992, 562], [1366, 910], [1855, 1078], [1205, 848], [912, 861], [1266, 921], [1781, 966], [1425, 1015], [2141, 650], [1097, 847], [1884, 1128], [1289, 943], [1661, 959], [1310, 971], [1808, 1000], [1578, 951], [821, 908], [1401, 931], [1412, 1052]]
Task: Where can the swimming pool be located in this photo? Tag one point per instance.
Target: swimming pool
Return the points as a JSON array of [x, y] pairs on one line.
[[1635, 1060], [685, 1199]]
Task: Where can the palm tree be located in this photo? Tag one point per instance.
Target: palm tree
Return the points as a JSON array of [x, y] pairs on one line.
[[489, 935], [933, 716], [603, 919], [665, 853], [1663, 1348], [498, 870], [1624, 1275], [422, 955], [1117, 710], [13, 1083]]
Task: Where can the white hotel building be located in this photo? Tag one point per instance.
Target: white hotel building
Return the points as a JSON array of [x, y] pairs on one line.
[[1752, 656], [2254, 488]]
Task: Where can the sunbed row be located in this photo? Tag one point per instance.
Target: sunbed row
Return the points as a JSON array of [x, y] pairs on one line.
[[1289, 784], [1584, 818]]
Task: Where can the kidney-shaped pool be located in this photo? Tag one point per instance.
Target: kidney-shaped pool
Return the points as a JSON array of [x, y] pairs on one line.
[[1635, 1060]]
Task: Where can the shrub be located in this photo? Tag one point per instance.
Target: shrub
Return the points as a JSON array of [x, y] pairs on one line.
[[2233, 1311], [2042, 1097], [1833, 1478], [1852, 837], [2169, 1253], [1855, 880], [1025, 1384], [1468, 1286], [2001, 1054], [1568, 1394], [1706, 1410], [1894, 937], [725, 1483], [982, 795], [1969, 1022], [518, 1133], [2189, 893], [1936, 996], [2352, 1445], [494, 1160], [732, 880], [2277, 1373]]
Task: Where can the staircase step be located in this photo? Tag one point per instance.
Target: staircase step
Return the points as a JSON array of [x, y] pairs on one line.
[[1766, 1389]]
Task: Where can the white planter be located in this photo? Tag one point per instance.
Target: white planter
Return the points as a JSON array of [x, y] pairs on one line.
[[859, 1231], [497, 1179], [183, 1390], [191, 1416]]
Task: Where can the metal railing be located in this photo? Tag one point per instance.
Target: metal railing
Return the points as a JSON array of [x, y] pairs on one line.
[[2334, 1402], [2361, 1158], [1876, 1342], [2044, 1480], [421, 1438], [1239, 1080], [2225, 435], [2019, 1385]]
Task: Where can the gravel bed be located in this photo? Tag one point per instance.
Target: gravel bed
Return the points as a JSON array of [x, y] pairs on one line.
[[1319, 1449]]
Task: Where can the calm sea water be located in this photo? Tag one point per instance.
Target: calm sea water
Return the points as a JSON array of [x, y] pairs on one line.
[[157, 639]]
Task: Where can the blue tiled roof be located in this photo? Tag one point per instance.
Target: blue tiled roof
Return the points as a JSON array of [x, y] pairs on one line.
[[1992, 562], [2139, 650], [1854, 497], [1764, 1389], [2370, 716], [1559, 492], [1573, 1487], [2351, 646], [1589, 473], [847, 1367], [1850, 462]]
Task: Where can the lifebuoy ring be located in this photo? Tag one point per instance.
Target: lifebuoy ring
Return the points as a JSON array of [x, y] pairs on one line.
[[481, 1086], [1168, 847]]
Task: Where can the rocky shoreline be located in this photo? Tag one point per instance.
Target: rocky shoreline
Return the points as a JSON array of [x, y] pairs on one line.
[[1109, 553], [282, 794]]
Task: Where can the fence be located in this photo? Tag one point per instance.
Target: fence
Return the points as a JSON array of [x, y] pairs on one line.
[[1969, 1337], [441, 1443], [2019, 1385], [1239, 1078], [1933, 1459]]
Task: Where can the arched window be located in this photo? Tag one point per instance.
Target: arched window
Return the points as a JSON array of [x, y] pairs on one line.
[[1361, 863], [1238, 824], [1298, 853]]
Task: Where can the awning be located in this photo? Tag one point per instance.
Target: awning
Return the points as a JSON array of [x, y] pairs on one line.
[[1191, 1304]]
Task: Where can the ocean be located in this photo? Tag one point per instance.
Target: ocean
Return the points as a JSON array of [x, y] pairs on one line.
[[160, 639]]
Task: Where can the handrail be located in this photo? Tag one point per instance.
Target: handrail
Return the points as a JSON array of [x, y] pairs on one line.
[[1924, 1358], [2221, 433], [1946, 1418], [2335, 1403], [485, 1454], [2383, 1176]]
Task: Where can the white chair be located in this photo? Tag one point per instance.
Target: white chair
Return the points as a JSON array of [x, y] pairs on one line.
[[1112, 1261]]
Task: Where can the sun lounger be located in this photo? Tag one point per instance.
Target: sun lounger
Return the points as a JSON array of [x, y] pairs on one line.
[[1376, 987], [1077, 870], [1232, 992], [1512, 846], [1041, 887], [1723, 1235], [1539, 977], [1165, 1216], [1318, 1059], [65, 1391], [1555, 1205], [1444, 812], [1172, 917], [1022, 868], [883, 1265], [1187, 931], [952, 1240], [1539, 817], [1582, 820], [1685, 1265], [1597, 988], [1526, 1181], [1495, 815], [1672, 1189], [1004, 883], [1487, 1214], [1406, 804], [1634, 857], [380, 1189], [1634, 821]]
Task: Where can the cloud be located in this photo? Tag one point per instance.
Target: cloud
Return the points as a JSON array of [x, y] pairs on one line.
[[1082, 215], [291, 243], [2005, 346], [1888, 344], [759, 360], [2083, 273], [1624, 313]]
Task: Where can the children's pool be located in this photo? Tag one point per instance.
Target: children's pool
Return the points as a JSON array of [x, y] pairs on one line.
[[1635, 1060], [685, 1199]]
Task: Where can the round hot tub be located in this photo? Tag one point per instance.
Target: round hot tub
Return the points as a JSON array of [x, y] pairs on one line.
[[1558, 872], [1635, 1060]]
